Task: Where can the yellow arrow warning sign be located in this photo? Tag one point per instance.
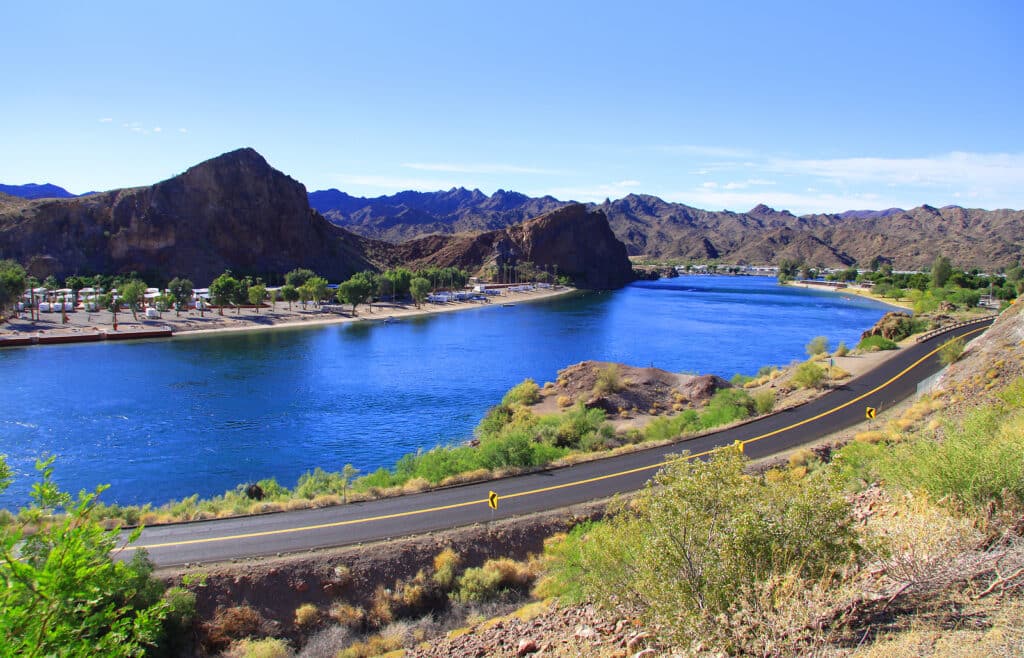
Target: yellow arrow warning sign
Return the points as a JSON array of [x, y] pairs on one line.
[[870, 413], [492, 500]]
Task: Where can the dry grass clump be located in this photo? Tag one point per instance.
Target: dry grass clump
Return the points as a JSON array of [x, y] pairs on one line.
[[307, 615], [870, 436], [348, 615], [446, 564], [231, 624], [801, 457], [564, 401], [268, 647]]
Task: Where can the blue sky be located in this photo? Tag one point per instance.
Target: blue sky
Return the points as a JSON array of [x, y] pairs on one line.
[[810, 106]]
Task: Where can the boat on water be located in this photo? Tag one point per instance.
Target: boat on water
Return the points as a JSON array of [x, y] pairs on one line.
[[390, 320], [508, 304]]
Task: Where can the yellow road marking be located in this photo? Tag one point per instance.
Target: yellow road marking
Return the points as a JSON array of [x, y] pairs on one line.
[[576, 483]]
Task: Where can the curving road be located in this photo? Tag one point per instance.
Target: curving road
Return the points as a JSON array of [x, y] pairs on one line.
[[225, 539]]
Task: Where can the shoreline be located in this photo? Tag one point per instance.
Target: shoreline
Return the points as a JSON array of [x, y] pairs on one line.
[[860, 292], [98, 326]]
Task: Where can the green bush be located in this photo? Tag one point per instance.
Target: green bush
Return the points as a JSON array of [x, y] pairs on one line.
[[764, 401], [974, 463], [665, 428], [608, 380], [875, 343], [951, 351], [524, 393], [726, 406], [479, 584], [687, 549], [808, 375], [841, 349], [818, 345], [319, 482]]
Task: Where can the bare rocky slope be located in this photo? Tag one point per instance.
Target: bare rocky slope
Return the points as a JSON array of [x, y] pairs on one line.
[[231, 212]]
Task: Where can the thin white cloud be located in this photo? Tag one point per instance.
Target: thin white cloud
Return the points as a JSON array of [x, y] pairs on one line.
[[956, 168], [480, 168], [720, 152], [183, 130], [158, 129], [106, 120], [796, 202]]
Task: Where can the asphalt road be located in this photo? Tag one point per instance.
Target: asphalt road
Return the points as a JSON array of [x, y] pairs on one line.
[[288, 532]]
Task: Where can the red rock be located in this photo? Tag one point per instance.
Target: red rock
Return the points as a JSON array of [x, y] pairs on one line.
[[526, 646]]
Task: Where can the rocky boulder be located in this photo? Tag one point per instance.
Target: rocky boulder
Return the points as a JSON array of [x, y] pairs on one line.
[[893, 325]]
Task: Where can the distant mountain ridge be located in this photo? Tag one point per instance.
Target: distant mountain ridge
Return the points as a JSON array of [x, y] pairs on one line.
[[34, 191], [650, 226]]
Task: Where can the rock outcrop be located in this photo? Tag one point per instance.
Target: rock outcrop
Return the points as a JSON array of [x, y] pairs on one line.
[[231, 212], [571, 241]]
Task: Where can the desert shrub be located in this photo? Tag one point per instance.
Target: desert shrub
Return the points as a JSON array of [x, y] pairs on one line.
[[670, 427], [375, 645], [307, 615], [479, 584], [808, 375], [446, 563], [951, 351], [876, 343], [319, 482], [975, 463], [726, 406], [609, 380], [495, 420], [564, 401], [381, 612], [576, 425], [269, 647], [177, 625], [685, 551], [764, 401], [741, 380], [347, 615], [856, 463], [524, 393], [841, 349], [801, 457], [231, 624], [817, 345]]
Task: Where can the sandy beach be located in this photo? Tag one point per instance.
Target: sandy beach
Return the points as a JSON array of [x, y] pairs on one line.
[[854, 290], [81, 324]]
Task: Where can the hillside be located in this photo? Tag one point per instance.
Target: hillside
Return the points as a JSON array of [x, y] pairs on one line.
[[650, 226], [231, 212], [571, 241]]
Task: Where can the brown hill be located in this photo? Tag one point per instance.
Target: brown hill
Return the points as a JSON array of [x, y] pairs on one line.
[[231, 212], [572, 241]]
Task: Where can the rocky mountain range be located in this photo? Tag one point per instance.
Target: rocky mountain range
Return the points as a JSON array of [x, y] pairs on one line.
[[237, 212], [650, 226], [35, 191]]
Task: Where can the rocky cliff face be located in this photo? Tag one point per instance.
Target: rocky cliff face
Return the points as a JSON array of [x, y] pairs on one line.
[[232, 212], [577, 242]]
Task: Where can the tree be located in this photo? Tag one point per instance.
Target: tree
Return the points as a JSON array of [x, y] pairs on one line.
[[347, 473], [132, 293], [63, 594], [941, 271], [399, 279], [318, 288], [223, 290], [181, 291], [356, 290], [12, 283], [290, 294], [298, 277], [419, 288], [256, 295]]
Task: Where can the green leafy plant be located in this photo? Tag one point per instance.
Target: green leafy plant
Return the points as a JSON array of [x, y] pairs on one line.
[[63, 593]]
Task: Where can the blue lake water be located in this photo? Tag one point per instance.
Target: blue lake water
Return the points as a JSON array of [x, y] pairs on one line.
[[165, 419]]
